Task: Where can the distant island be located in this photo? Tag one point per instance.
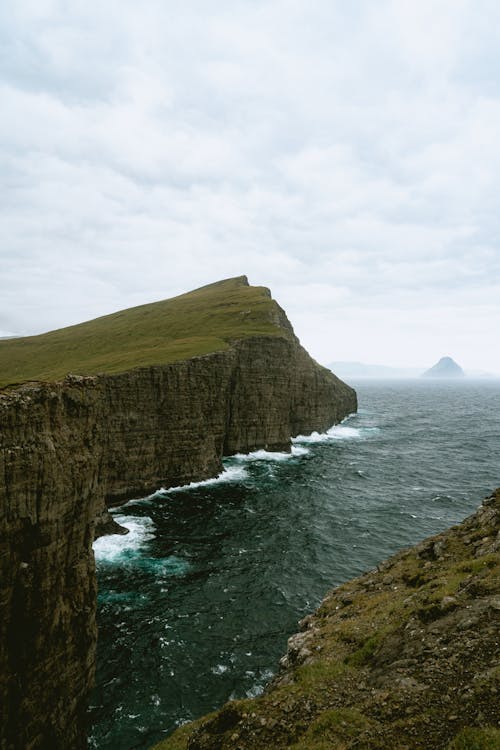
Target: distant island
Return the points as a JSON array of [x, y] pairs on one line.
[[445, 368], [352, 370]]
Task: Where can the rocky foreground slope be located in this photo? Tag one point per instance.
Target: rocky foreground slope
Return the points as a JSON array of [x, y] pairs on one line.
[[404, 657], [157, 396]]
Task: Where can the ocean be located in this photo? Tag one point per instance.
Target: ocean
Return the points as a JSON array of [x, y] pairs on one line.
[[196, 603]]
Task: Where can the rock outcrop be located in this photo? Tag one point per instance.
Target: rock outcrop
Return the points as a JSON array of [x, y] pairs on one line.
[[406, 657], [445, 368], [70, 447]]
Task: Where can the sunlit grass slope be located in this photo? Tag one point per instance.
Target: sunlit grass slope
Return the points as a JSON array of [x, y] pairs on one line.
[[193, 324]]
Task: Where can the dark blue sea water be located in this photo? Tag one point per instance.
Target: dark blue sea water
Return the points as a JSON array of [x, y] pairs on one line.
[[197, 602]]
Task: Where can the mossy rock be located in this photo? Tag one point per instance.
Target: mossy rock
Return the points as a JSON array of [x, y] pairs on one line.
[[472, 738], [394, 659], [333, 729]]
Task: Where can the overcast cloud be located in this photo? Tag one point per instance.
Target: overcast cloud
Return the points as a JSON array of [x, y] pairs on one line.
[[345, 154]]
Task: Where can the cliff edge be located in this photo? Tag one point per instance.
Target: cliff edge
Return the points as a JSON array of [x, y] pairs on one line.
[[404, 657], [115, 408]]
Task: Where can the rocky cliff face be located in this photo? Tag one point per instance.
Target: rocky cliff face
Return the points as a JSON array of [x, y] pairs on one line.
[[67, 448], [405, 657]]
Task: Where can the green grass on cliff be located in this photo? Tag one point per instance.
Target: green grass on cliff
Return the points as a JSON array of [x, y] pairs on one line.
[[193, 324]]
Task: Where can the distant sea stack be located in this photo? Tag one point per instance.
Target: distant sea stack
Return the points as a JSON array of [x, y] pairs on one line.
[[445, 368], [111, 409]]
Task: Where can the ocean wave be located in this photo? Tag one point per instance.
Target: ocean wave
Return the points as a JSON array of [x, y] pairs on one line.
[[129, 549], [340, 431], [337, 432], [148, 500], [116, 546], [263, 455], [233, 472], [230, 474]]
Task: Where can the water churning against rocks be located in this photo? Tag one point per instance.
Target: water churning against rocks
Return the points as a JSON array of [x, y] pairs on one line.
[[197, 602]]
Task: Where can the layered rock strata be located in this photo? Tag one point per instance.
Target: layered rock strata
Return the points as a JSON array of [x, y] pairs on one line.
[[68, 448], [406, 657]]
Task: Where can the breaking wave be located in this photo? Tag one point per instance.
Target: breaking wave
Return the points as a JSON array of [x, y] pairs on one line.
[[263, 455], [117, 546], [130, 550], [340, 431], [234, 471], [230, 474]]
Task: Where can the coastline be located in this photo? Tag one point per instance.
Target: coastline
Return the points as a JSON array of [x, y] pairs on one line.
[[401, 657]]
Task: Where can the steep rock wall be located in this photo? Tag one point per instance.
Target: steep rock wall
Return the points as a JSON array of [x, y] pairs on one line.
[[68, 448]]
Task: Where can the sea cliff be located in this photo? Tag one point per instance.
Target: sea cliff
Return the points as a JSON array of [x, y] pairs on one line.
[[73, 445], [405, 657]]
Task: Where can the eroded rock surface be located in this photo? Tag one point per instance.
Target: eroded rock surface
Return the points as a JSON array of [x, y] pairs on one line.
[[67, 448]]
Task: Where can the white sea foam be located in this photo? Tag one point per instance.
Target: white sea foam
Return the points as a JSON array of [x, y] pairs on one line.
[[259, 686], [115, 546], [130, 550], [219, 669], [263, 455], [230, 474], [337, 432], [135, 501]]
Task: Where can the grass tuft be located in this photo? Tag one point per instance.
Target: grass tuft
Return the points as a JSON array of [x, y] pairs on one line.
[[362, 655], [334, 730], [471, 738]]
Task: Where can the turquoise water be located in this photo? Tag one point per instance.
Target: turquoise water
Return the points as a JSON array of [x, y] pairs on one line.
[[197, 602]]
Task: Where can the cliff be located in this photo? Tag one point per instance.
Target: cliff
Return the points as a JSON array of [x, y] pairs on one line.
[[404, 657], [162, 393]]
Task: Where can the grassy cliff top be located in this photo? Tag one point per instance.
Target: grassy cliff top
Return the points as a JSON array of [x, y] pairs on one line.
[[199, 322]]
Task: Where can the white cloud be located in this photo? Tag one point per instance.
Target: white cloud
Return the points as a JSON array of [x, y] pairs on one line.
[[344, 154]]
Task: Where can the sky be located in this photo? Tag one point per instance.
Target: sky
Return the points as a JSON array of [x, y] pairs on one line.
[[344, 154]]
